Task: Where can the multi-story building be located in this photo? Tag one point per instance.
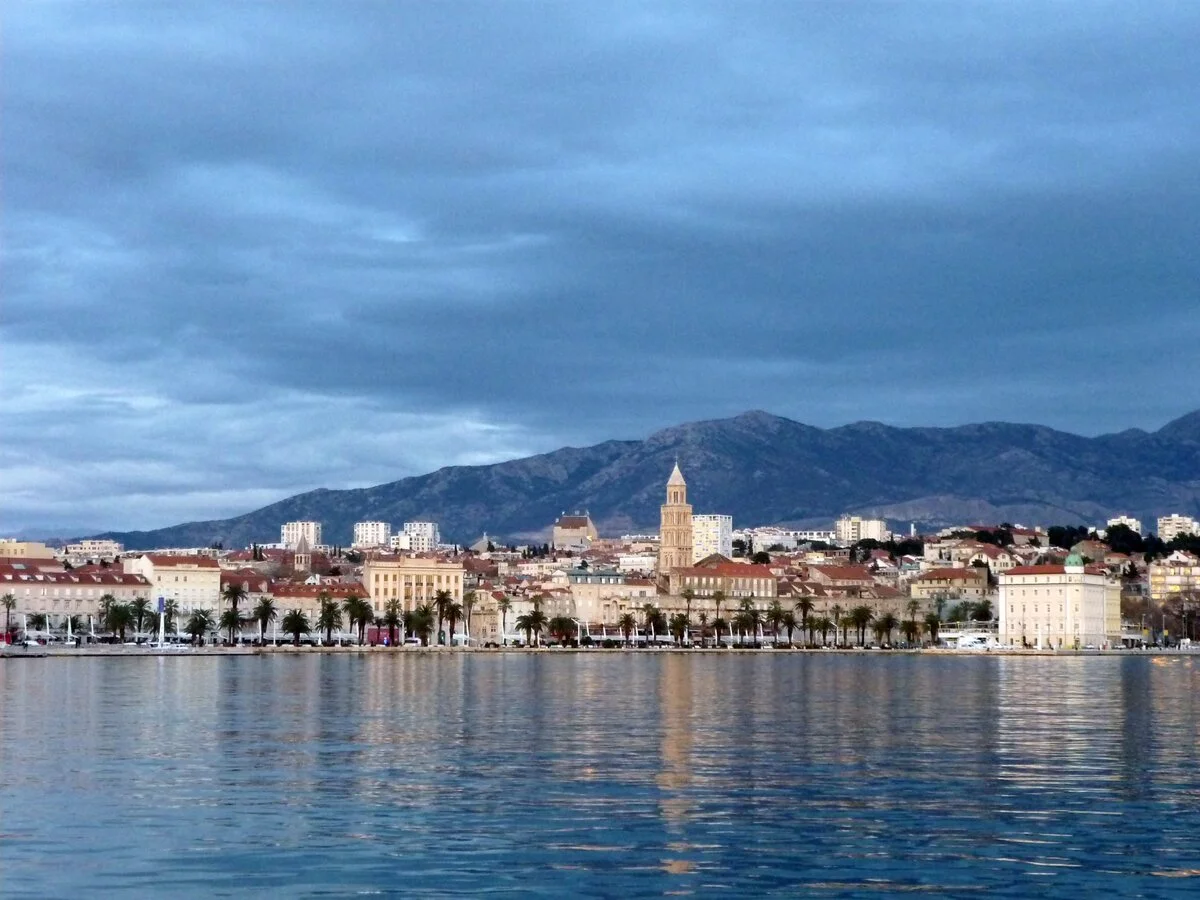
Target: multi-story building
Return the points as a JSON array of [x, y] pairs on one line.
[[292, 532], [1129, 522], [1169, 527], [423, 537], [193, 582], [372, 534], [852, 529], [69, 593], [711, 534], [95, 548], [573, 532], [11, 548], [1176, 576], [675, 532], [735, 580], [1065, 606], [411, 580], [969, 583]]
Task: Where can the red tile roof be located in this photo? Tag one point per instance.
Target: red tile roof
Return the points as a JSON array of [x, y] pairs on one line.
[[165, 561]]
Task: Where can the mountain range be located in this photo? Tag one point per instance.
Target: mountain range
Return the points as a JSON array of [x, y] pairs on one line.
[[764, 469]]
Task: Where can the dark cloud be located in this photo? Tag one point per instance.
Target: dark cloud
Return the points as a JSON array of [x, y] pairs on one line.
[[254, 248]]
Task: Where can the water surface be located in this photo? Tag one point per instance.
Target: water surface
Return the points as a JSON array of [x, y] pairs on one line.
[[614, 774]]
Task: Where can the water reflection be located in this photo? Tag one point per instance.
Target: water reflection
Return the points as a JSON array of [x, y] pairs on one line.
[[605, 774]]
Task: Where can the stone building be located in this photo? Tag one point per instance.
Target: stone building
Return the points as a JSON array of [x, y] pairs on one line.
[[675, 530]]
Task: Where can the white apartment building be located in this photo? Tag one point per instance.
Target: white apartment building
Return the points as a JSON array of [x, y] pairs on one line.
[[711, 534], [1068, 606], [93, 547], [769, 536], [193, 582], [1175, 524], [852, 529], [372, 534], [291, 533], [1129, 522], [423, 537]]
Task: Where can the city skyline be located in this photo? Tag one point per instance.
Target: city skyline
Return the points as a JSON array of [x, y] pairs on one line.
[[251, 251]]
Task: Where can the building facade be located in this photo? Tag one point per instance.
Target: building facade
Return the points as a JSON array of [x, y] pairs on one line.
[[675, 528], [11, 548], [291, 533], [411, 580], [852, 529], [1134, 525], [574, 532], [1177, 576], [193, 582], [1069, 606], [711, 534], [423, 537], [1169, 527], [61, 594], [372, 534], [95, 548]]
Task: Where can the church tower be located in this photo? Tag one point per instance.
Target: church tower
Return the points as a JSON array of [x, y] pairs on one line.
[[675, 528]]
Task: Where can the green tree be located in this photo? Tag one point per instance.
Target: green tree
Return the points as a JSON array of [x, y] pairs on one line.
[[10, 603], [789, 622], [468, 605], [720, 627], [107, 602], [422, 621], [532, 624], [982, 611], [454, 612], [932, 623], [295, 623], [199, 623], [836, 612], [688, 596], [441, 601], [359, 615], [234, 593], [37, 622], [392, 619], [230, 622], [749, 617], [504, 605], [170, 614], [861, 617], [140, 613], [887, 624], [628, 624], [562, 629], [120, 619], [265, 613], [703, 617], [718, 600], [329, 616], [911, 629], [761, 558], [678, 626], [804, 606], [823, 624], [774, 618]]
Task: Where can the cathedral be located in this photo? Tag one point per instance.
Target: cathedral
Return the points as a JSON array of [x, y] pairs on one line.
[[675, 527]]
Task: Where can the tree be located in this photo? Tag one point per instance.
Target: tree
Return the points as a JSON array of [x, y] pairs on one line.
[[532, 624], [887, 624], [932, 623], [761, 558], [139, 611], [688, 596], [703, 617], [774, 618], [718, 599], [329, 616], [358, 614], [421, 622], [911, 629], [264, 613], [441, 600], [748, 618], [719, 627], [678, 626], [468, 605], [120, 618], [37, 621], [234, 593], [823, 624], [789, 622], [170, 613], [454, 612], [561, 628], [628, 624], [861, 617], [504, 605], [107, 602], [296, 623], [836, 612], [199, 623], [9, 602], [392, 619], [804, 606], [231, 622], [982, 611]]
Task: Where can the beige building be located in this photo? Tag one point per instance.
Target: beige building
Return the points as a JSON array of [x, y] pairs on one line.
[[711, 534], [969, 583], [1173, 525], [410, 579], [70, 593], [575, 532], [675, 531], [735, 580], [1176, 576], [852, 529], [14, 549], [193, 582], [1070, 606]]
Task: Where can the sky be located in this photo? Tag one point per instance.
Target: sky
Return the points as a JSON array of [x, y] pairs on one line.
[[251, 249]]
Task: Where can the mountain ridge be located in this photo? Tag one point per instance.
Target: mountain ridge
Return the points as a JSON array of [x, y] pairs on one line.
[[765, 469]]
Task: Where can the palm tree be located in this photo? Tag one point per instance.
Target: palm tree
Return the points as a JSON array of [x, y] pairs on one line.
[[561, 628], [718, 599], [295, 623], [329, 617], [107, 602], [393, 618], [37, 621], [932, 623], [887, 624], [804, 606], [719, 626], [454, 612], [861, 617], [504, 604], [823, 624], [748, 619], [789, 622], [120, 617], [170, 612], [913, 607], [628, 624], [422, 622], [679, 626], [230, 621], [468, 604], [845, 623], [835, 613], [688, 596], [441, 600], [199, 623], [264, 613], [532, 624], [233, 594], [703, 617], [648, 617], [911, 630], [774, 618], [10, 603], [358, 614], [140, 613]]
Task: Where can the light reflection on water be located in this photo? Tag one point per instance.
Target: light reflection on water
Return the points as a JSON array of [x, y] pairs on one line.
[[605, 774]]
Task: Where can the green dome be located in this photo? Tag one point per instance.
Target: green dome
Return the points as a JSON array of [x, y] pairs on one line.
[[1074, 560]]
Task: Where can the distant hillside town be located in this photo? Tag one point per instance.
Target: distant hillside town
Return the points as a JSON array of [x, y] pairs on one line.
[[699, 581]]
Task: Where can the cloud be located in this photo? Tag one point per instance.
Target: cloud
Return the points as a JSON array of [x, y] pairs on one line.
[[254, 249]]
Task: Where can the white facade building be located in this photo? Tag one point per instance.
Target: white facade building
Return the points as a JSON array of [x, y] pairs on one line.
[[1171, 526], [423, 537], [194, 582], [1068, 607], [711, 534], [372, 534], [291, 533], [95, 547], [852, 529], [1132, 524]]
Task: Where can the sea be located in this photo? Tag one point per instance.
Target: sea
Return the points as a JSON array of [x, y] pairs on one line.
[[603, 774]]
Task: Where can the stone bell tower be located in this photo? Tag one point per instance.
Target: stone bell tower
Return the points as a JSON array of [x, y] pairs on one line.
[[675, 527]]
